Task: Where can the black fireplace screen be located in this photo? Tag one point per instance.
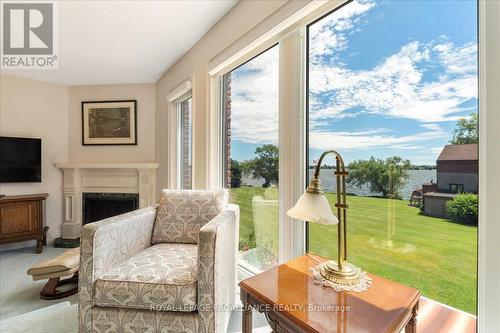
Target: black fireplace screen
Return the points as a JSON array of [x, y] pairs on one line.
[[98, 206]]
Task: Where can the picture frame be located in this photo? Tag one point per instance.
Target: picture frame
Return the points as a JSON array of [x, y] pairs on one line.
[[109, 123]]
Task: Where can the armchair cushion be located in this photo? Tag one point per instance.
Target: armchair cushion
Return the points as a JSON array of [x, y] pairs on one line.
[[162, 277], [182, 213]]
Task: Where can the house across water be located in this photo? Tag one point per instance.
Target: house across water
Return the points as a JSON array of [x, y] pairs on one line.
[[457, 172]]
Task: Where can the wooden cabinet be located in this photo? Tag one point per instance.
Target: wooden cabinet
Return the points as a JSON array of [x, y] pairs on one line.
[[21, 218]]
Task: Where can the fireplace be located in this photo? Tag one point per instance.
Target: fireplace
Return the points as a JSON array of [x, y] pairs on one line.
[[98, 206], [95, 180]]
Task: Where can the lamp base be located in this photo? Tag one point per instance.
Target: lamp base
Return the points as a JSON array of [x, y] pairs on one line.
[[349, 274]]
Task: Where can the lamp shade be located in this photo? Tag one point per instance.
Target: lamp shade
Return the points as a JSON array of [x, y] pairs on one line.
[[313, 207]]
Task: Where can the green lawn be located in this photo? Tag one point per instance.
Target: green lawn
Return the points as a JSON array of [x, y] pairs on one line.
[[391, 239], [243, 197]]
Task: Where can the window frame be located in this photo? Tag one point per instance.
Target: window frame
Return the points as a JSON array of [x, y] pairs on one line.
[[457, 187], [481, 113], [291, 134], [180, 164], [489, 17], [175, 97], [246, 269]]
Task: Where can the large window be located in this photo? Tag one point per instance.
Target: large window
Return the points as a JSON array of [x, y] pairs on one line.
[[250, 124], [185, 176], [393, 87]]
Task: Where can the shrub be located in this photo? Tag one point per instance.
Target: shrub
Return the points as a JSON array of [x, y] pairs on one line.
[[463, 206]]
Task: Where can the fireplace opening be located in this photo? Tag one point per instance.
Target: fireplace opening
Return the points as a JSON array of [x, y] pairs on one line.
[[98, 206]]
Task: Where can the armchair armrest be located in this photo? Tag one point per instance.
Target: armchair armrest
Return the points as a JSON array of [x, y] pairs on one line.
[[217, 258], [105, 244]]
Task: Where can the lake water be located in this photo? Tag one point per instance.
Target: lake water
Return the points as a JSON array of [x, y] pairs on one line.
[[415, 180]]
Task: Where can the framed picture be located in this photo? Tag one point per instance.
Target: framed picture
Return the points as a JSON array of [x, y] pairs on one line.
[[109, 123]]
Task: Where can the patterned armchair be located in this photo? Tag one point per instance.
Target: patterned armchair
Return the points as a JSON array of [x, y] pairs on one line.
[[167, 268]]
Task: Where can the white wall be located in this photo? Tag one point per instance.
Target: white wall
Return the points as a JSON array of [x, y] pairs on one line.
[[242, 18], [53, 113], [144, 151], [37, 109]]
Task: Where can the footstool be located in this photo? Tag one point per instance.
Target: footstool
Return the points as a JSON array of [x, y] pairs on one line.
[[66, 264]]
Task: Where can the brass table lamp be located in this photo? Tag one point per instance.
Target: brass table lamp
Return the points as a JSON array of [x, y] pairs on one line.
[[313, 207]]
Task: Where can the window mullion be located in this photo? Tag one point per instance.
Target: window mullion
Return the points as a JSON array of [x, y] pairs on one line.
[[291, 141]]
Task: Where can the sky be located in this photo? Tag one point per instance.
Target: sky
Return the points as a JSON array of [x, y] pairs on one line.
[[385, 78]]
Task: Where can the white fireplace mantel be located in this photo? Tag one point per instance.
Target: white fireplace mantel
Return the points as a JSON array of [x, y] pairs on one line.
[[81, 178], [107, 165]]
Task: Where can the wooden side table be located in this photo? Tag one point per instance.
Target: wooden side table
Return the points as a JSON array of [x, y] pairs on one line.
[[292, 302]]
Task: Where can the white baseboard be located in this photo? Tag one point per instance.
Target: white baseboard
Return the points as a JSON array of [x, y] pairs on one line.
[[51, 236]]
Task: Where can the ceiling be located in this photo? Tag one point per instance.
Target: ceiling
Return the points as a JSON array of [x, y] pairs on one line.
[[111, 42]]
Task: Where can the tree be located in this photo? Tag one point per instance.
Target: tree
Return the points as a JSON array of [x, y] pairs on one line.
[[235, 174], [246, 167], [383, 176], [264, 165], [466, 130]]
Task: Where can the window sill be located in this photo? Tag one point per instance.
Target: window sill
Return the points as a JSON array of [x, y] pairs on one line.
[[435, 317]]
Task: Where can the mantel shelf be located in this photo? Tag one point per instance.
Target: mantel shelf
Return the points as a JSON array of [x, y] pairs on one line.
[[76, 165]]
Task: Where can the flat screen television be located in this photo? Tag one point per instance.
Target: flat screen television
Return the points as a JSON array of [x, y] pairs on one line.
[[20, 160]]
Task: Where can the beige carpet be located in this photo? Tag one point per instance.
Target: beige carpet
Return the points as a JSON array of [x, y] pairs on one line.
[[58, 318], [19, 294]]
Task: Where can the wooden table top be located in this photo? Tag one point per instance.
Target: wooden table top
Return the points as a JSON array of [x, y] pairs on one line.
[[382, 308]]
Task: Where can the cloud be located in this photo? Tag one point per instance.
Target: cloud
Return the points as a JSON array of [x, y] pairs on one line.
[[396, 87], [428, 82], [376, 138], [458, 61], [255, 85], [254, 99], [327, 35], [430, 126], [436, 150]]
